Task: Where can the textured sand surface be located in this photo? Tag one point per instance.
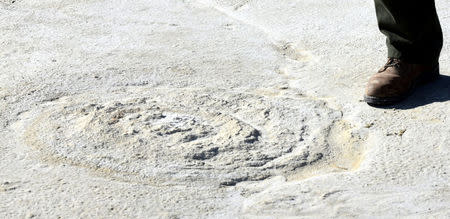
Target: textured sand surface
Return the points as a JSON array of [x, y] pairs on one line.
[[211, 109]]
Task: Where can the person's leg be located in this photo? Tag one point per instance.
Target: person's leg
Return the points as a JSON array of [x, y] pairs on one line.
[[412, 29], [414, 41]]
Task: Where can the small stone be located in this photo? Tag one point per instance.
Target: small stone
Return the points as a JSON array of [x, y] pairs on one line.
[[401, 132], [369, 125]]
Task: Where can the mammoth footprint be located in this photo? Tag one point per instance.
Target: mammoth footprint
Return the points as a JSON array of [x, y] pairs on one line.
[[292, 52], [180, 135]]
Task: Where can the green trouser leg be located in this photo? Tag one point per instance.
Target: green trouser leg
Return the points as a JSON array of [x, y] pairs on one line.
[[412, 29]]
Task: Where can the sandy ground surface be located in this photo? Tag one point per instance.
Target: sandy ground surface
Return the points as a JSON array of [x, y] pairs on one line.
[[211, 108]]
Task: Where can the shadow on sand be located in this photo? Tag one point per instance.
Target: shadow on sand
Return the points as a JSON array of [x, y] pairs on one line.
[[437, 91]]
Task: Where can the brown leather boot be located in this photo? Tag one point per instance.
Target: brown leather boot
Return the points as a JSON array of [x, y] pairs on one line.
[[397, 80]]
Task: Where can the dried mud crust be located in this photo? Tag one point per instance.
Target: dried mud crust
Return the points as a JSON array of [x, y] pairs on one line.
[[185, 135]]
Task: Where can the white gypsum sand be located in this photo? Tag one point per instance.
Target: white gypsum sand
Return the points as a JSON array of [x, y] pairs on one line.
[[211, 109]]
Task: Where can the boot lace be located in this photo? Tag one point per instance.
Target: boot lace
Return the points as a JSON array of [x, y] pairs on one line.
[[392, 62]]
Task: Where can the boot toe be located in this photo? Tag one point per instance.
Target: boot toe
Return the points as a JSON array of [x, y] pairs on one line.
[[382, 88]]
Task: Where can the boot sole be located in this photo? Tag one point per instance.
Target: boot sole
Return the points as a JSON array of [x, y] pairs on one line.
[[384, 101]]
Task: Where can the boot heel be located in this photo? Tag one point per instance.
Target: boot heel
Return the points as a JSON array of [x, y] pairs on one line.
[[433, 75]]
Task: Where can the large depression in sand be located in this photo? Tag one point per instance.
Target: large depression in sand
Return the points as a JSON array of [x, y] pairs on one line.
[[174, 135]]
